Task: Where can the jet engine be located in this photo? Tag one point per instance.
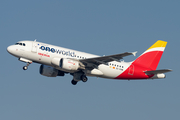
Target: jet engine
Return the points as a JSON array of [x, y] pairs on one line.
[[67, 64], [50, 71]]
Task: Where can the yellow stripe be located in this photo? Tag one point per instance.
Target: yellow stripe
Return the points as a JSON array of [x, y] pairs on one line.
[[159, 43]]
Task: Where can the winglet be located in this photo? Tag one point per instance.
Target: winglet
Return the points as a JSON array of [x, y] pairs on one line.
[[134, 53]]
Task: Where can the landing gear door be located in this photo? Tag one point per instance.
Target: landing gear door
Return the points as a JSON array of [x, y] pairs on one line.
[[34, 47]]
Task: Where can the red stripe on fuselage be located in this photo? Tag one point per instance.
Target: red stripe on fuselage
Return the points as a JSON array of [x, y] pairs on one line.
[[135, 72]]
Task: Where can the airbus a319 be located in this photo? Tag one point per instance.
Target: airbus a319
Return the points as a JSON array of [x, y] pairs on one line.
[[58, 61]]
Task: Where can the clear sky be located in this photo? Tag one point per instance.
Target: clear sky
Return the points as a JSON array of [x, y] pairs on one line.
[[101, 27]]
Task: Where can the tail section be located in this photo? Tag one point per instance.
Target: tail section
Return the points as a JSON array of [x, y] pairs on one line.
[[151, 57]]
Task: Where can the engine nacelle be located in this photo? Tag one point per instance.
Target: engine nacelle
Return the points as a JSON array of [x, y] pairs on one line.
[[50, 71], [69, 64], [66, 64]]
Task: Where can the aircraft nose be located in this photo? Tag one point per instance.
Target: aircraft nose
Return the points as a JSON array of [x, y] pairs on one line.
[[10, 49]]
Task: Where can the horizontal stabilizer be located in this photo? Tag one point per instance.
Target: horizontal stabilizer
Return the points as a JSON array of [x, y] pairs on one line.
[[158, 71]]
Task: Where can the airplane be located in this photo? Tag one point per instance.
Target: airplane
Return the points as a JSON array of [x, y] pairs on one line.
[[58, 61]]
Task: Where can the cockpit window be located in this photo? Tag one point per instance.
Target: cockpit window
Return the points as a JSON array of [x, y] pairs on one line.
[[22, 44]]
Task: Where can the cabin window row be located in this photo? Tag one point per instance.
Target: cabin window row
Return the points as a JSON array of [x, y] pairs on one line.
[[79, 57], [115, 65]]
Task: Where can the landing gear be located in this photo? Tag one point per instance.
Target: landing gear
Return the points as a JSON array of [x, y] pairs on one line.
[[26, 61], [79, 76], [84, 78], [26, 67], [74, 82]]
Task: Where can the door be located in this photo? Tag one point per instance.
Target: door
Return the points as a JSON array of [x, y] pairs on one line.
[[131, 70], [34, 47]]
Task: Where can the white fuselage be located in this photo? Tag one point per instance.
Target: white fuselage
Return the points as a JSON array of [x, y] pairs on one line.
[[44, 53]]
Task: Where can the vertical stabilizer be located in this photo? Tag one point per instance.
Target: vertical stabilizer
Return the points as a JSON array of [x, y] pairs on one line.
[[151, 57]]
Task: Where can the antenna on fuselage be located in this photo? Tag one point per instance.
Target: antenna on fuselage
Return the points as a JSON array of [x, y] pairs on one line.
[[35, 40]]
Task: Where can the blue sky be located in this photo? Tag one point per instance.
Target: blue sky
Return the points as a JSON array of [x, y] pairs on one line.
[[100, 27]]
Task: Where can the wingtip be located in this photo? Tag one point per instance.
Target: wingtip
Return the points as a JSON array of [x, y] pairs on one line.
[[134, 53], [170, 70]]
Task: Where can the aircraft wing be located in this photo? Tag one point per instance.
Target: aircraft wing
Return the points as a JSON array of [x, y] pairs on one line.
[[158, 71], [93, 62]]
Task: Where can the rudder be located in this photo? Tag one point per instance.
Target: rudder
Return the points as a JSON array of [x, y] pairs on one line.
[[151, 57]]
